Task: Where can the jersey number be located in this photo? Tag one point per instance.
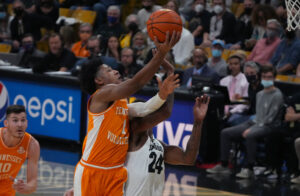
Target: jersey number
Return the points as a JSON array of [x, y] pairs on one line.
[[4, 168], [124, 126], [155, 165]]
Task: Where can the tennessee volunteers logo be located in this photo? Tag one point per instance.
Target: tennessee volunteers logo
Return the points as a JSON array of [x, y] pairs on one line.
[[21, 150]]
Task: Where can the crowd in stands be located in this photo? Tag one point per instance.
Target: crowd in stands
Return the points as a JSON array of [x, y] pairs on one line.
[[239, 44]]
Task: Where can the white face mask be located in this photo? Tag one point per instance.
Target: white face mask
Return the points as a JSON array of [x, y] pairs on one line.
[[218, 9], [199, 8]]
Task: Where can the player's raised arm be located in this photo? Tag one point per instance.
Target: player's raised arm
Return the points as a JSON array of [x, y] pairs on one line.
[[32, 170], [177, 156], [125, 89]]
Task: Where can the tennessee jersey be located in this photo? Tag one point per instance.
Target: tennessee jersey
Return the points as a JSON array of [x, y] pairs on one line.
[[11, 161], [104, 152]]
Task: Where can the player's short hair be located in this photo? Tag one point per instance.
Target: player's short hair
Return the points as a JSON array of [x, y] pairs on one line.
[[88, 73], [16, 109]]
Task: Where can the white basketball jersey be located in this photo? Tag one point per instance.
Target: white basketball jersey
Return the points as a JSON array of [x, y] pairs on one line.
[[146, 170]]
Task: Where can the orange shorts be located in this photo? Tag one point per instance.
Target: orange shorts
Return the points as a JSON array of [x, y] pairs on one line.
[[101, 182]]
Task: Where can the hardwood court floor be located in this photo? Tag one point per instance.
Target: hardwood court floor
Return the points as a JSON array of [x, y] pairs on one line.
[[56, 169]]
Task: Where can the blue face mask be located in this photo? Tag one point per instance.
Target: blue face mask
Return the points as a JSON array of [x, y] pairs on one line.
[[2, 15], [112, 19], [216, 53], [267, 83]]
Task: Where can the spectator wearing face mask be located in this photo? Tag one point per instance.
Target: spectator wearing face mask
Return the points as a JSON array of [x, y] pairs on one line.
[[287, 55], [131, 23], [244, 26], [140, 47], [265, 48], [30, 56], [24, 23], [222, 24], [48, 8], [199, 19], [79, 48], [146, 11], [113, 25], [216, 62]]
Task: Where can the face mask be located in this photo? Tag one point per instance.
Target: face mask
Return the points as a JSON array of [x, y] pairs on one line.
[[133, 26], [199, 8], [218, 9], [251, 79], [18, 11], [216, 53], [147, 7], [2, 15], [271, 34], [248, 10], [267, 83], [112, 19], [28, 47]]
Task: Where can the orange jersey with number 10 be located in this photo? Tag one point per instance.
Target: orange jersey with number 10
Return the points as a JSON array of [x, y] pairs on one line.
[[11, 161], [106, 142]]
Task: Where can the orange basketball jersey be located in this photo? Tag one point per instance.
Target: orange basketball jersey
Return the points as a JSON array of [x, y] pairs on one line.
[[11, 161], [106, 142]]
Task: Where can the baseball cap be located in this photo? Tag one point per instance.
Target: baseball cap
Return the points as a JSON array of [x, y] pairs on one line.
[[218, 41]]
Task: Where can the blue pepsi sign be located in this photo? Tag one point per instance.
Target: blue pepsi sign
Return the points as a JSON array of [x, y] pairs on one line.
[[177, 129], [52, 110]]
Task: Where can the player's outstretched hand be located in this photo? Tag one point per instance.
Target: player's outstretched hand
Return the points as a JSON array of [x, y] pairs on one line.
[[169, 42], [168, 85], [19, 185], [69, 192], [200, 108]]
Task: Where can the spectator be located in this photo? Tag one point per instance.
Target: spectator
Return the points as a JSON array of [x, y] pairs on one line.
[[183, 49], [173, 5], [287, 54], [30, 56], [216, 62], [140, 47], [79, 48], [237, 86], [128, 67], [146, 11], [261, 14], [269, 102], [244, 27], [113, 48], [280, 143], [48, 8], [24, 23], [265, 48], [4, 31], [93, 45], [101, 9], [58, 58], [131, 23], [199, 60], [199, 19], [222, 23], [113, 25]]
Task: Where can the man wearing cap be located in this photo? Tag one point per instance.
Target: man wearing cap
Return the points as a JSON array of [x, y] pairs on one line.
[[216, 62]]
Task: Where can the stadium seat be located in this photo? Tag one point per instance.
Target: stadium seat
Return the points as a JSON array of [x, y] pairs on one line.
[[84, 16], [284, 78], [296, 79], [65, 12], [5, 48], [42, 45]]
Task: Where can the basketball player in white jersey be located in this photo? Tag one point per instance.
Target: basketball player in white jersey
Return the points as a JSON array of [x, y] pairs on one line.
[[17, 146], [146, 155]]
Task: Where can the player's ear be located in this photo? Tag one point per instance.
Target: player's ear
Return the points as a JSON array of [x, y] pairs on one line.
[[99, 81], [5, 123]]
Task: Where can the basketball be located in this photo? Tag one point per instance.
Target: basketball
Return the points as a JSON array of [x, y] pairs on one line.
[[162, 21]]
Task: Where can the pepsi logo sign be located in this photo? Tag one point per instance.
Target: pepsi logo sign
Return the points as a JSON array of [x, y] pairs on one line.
[[4, 101]]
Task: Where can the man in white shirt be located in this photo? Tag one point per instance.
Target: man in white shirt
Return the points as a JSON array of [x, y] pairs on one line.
[[237, 85]]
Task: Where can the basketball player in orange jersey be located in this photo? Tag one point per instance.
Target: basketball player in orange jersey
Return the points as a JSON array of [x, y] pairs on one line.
[[101, 169], [15, 147]]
